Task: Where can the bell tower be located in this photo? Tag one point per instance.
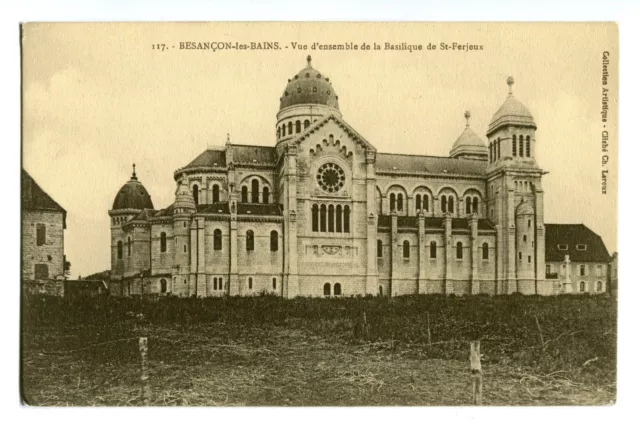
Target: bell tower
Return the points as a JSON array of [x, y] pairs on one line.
[[515, 198]]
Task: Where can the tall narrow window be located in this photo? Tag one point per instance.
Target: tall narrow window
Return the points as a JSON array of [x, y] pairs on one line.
[[432, 249], [468, 199], [379, 248], [599, 286], [128, 247], [327, 289], [583, 270], [425, 203], [475, 204], [250, 246], [528, 146], [491, 152], [582, 286], [298, 127], [498, 144], [400, 202], [196, 193], [459, 250], [337, 289], [406, 249], [451, 204], [215, 195], [392, 202], [274, 240], [274, 283], [163, 242], [250, 281], [215, 283], [306, 124], [41, 234], [514, 147], [323, 218], [290, 125], [265, 195], [314, 218], [119, 250], [347, 219], [163, 286], [255, 191], [418, 203], [521, 146], [245, 195], [485, 251], [331, 218], [339, 219], [217, 240], [443, 204]]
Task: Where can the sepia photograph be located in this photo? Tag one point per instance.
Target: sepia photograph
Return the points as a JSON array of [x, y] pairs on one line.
[[319, 214]]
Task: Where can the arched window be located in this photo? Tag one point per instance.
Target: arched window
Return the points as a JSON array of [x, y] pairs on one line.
[[278, 133], [323, 218], [250, 282], [337, 289], [528, 147], [379, 248], [451, 204], [327, 289], [290, 125], [491, 152], [514, 147], [250, 240], [475, 204], [284, 130], [215, 196], [163, 286], [400, 202], [119, 250], [255, 191], [498, 144], [265, 195], [245, 195], [314, 218], [599, 286], [217, 240], [485, 251], [459, 250], [128, 247], [274, 240], [582, 286], [425, 203], [163, 242], [196, 193], [339, 219], [406, 249], [298, 127], [521, 152], [306, 124], [347, 218], [443, 204], [392, 202], [332, 216], [432, 249], [41, 234], [468, 202], [274, 283], [418, 203]]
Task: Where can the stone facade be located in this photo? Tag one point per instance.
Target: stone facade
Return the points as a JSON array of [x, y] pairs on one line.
[[322, 213]]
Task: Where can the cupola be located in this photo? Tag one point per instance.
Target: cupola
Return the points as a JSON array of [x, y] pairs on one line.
[[133, 195], [469, 145]]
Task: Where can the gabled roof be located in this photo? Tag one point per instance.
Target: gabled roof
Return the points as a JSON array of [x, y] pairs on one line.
[[572, 235], [253, 154], [429, 164], [36, 199], [342, 124]]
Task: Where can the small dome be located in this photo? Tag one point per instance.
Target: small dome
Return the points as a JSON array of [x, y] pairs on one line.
[[132, 195], [309, 86], [525, 208], [184, 198], [512, 112], [468, 143]]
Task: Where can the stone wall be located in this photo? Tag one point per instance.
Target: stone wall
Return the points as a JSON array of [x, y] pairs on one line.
[[51, 253]]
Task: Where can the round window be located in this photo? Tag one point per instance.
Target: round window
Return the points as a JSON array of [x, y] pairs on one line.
[[330, 177]]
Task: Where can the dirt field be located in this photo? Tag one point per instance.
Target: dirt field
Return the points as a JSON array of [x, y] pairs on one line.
[[87, 354]]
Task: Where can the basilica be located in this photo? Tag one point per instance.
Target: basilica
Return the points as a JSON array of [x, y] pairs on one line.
[[321, 212]]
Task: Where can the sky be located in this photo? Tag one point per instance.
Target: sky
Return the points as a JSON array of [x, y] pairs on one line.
[[98, 97]]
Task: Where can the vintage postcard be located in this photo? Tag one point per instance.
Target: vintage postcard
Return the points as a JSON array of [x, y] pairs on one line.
[[319, 214]]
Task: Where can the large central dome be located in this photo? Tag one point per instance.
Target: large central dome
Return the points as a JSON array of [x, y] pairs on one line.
[[309, 86]]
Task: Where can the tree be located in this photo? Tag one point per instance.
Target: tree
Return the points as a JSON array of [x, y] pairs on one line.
[[66, 267]]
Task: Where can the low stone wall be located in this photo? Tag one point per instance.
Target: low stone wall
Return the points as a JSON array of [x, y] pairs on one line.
[[43, 287]]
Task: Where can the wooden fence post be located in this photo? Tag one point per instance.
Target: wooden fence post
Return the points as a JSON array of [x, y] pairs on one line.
[[144, 371], [476, 372]]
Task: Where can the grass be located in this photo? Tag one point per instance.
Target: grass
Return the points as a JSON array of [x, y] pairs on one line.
[[270, 351]]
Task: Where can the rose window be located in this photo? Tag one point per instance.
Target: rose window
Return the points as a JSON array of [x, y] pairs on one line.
[[330, 177]]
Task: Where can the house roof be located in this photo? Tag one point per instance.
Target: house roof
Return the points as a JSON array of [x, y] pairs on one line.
[[209, 158], [242, 154], [428, 164], [572, 235], [36, 199]]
